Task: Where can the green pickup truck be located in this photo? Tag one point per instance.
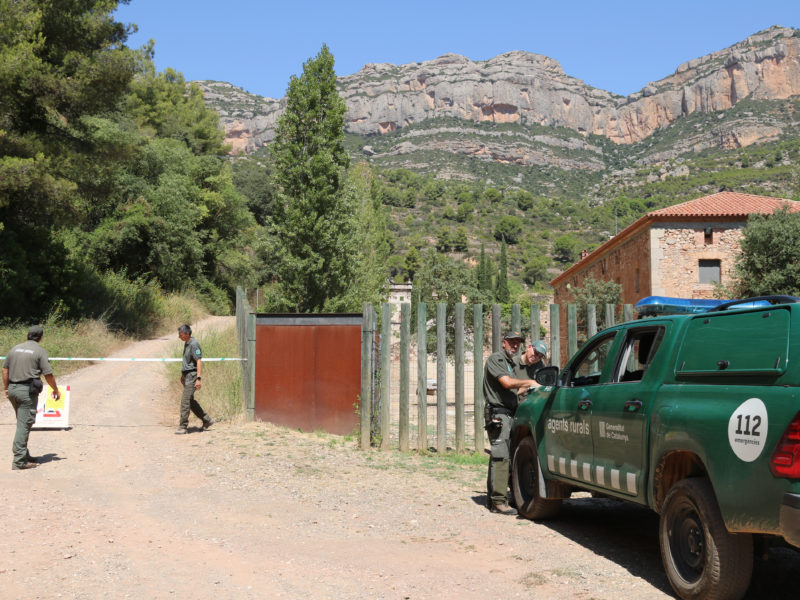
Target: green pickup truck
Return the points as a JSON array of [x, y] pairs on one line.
[[696, 416]]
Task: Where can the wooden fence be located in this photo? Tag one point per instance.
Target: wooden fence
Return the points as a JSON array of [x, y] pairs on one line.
[[394, 417]]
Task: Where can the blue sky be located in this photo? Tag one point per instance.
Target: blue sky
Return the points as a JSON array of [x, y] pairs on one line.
[[616, 45]]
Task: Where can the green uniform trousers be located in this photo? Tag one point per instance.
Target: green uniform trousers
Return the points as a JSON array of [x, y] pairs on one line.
[[499, 459], [25, 406], [188, 402]]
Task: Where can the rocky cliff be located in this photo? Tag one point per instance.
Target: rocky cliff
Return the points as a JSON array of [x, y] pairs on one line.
[[532, 90]]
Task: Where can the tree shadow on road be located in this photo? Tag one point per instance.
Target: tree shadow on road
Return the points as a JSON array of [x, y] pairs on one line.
[[627, 534]]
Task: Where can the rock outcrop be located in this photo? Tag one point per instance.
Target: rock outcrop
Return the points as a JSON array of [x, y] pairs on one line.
[[531, 89]]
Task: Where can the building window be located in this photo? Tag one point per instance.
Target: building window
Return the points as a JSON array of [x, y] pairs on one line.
[[709, 270], [637, 281], [708, 236]]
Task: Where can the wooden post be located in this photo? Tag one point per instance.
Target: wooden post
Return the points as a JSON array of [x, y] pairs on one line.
[[516, 318], [251, 344], [367, 338], [405, 336], [591, 320], [497, 327], [610, 320], [386, 379], [555, 336], [477, 376], [441, 377], [422, 377], [536, 326], [591, 327], [459, 364], [627, 312], [572, 329]]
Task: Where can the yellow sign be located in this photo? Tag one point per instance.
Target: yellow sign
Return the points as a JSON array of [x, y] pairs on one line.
[[52, 413]]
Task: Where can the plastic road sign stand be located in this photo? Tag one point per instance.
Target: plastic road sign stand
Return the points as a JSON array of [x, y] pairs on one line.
[[52, 413]]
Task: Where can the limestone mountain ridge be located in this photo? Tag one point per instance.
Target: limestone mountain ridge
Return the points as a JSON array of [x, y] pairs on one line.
[[548, 117]]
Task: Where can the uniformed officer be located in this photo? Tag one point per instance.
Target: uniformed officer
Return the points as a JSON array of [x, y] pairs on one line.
[[499, 385], [191, 368], [22, 368], [531, 361]]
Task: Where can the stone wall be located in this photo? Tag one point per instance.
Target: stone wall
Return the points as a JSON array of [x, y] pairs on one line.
[[627, 264], [677, 249], [662, 260]]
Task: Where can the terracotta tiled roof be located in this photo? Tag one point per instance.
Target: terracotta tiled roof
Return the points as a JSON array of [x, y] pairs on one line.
[[726, 204]]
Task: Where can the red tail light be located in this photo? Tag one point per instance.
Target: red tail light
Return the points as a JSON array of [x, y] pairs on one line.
[[785, 461]]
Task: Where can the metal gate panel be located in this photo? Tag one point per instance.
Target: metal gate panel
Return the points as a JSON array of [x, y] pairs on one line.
[[308, 371]]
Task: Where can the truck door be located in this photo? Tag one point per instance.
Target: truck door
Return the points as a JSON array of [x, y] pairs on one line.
[[620, 412], [567, 436]]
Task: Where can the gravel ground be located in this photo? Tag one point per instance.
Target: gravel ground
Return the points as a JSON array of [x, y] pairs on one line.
[[123, 508]]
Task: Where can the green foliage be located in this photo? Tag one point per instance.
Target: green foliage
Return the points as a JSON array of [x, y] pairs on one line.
[[412, 263], [523, 199], [444, 241], [186, 224], [535, 268], [768, 262], [163, 103], [254, 180], [315, 225], [464, 212], [442, 279], [111, 190], [484, 274], [501, 293], [374, 244], [492, 195], [565, 248], [508, 230], [459, 239], [596, 291], [63, 68]]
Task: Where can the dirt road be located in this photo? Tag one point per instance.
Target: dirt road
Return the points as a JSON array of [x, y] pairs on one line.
[[123, 508]]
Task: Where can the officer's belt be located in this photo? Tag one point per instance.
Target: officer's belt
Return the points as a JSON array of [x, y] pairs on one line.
[[24, 382], [501, 410]]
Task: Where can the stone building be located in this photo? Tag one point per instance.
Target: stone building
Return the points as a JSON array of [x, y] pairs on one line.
[[679, 251]]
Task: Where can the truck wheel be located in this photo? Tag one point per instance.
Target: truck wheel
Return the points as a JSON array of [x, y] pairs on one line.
[[525, 484], [701, 558]]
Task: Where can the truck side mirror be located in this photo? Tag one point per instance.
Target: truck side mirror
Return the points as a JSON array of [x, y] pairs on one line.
[[547, 376]]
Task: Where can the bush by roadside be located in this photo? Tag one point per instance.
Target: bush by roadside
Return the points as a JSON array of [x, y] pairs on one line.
[[94, 338]]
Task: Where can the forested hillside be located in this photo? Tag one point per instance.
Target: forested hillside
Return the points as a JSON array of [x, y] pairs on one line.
[[112, 189]]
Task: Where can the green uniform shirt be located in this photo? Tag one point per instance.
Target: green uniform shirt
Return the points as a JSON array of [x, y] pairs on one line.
[[523, 371], [495, 394], [191, 354], [27, 361]]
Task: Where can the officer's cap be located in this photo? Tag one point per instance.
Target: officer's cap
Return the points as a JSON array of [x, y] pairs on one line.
[[540, 347], [513, 335], [35, 331]]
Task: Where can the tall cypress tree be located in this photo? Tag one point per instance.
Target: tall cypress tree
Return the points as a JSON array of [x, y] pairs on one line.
[[315, 224], [484, 272], [502, 294]]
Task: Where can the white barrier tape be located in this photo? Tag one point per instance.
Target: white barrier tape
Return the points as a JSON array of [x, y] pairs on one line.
[[140, 359]]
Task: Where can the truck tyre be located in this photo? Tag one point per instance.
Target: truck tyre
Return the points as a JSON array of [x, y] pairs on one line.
[[525, 484], [701, 558]]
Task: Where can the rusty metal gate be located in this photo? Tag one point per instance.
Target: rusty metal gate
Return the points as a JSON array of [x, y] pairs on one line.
[[308, 371]]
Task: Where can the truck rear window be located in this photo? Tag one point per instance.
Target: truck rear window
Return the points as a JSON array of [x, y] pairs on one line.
[[741, 343]]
